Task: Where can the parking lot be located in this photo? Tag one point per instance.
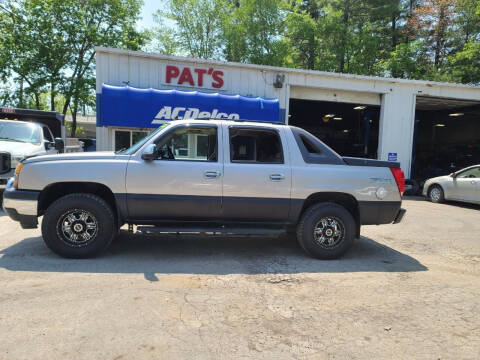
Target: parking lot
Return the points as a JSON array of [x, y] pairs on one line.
[[404, 291]]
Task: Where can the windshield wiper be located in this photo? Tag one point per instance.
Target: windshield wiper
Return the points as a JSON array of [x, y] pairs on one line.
[[10, 139], [120, 151]]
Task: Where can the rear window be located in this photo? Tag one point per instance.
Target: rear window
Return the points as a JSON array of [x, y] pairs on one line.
[[311, 147]]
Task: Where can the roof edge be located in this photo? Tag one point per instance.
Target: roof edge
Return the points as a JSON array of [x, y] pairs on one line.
[[101, 49]]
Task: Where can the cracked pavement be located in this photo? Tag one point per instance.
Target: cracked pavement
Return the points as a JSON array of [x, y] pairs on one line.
[[403, 291]]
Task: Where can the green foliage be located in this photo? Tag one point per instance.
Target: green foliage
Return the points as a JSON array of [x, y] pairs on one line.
[[47, 46], [421, 39]]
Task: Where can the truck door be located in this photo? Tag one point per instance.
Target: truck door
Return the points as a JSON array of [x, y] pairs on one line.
[[257, 174], [48, 140], [184, 181]]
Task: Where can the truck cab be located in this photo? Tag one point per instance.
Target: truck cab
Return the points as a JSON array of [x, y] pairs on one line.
[[27, 133]]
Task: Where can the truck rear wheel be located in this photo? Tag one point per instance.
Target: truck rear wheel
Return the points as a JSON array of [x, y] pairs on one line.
[[78, 225], [326, 231]]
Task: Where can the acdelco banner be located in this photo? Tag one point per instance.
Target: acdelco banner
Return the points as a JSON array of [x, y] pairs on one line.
[[125, 106]]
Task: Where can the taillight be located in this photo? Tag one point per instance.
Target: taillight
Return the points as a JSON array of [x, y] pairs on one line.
[[399, 178]]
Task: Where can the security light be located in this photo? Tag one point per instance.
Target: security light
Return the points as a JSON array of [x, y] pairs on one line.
[[440, 125], [359, 107], [346, 131], [456, 114], [330, 115], [337, 118]]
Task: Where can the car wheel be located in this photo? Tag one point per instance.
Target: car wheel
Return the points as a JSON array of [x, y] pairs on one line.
[[326, 231], [435, 194], [78, 226]]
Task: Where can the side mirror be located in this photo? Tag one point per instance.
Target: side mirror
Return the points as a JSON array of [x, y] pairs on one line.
[[59, 145], [150, 153], [48, 145], [453, 175]]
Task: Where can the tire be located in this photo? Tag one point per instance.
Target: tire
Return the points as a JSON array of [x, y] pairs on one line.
[[78, 226], [337, 219], [436, 194]]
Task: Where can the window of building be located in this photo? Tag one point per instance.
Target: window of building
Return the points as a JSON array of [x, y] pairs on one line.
[[190, 144], [255, 146], [126, 138]]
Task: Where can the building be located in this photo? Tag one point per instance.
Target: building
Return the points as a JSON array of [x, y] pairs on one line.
[[429, 127]]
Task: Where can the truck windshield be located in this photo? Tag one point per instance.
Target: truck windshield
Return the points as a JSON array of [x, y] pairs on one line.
[[132, 149], [19, 132]]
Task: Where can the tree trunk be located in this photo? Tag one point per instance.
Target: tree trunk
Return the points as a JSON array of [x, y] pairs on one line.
[[52, 96], [440, 34], [394, 32], [37, 100], [343, 42], [20, 99], [311, 53], [74, 111]]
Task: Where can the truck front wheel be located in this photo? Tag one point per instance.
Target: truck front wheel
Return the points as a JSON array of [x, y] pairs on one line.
[[78, 225], [326, 231]]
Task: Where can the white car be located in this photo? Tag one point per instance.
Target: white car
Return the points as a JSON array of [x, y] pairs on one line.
[[462, 185]]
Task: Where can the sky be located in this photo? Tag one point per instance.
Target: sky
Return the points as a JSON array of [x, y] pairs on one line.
[[149, 7]]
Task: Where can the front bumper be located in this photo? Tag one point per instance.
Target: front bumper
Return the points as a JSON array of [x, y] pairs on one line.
[[21, 205]]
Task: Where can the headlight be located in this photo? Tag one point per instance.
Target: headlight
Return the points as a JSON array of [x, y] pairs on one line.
[[18, 169]]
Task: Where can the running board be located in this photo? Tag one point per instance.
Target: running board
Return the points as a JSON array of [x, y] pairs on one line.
[[220, 231]]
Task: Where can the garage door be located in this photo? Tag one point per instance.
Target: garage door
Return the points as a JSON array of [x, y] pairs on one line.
[[343, 96]]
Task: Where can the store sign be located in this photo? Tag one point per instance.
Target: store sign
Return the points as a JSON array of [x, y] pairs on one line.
[[194, 77], [8, 111], [124, 106], [392, 156], [179, 113]]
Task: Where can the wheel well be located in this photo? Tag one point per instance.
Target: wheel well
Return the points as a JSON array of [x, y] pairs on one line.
[[55, 191], [343, 199], [432, 185]]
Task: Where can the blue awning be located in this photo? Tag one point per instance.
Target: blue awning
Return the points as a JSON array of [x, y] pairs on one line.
[[148, 108]]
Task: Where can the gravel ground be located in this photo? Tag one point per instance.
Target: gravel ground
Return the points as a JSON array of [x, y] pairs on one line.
[[407, 291]]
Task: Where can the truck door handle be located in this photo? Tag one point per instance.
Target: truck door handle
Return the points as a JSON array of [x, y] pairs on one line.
[[277, 177], [212, 174]]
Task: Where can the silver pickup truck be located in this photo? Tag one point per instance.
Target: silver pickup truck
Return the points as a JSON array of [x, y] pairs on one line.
[[216, 177]]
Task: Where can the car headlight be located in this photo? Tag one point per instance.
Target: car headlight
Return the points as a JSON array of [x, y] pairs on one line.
[[18, 169]]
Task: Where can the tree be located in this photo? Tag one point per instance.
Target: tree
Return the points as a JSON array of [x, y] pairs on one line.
[[49, 45], [197, 30], [252, 31], [433, 21]]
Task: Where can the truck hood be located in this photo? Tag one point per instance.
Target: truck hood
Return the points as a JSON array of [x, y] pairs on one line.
[[100, 155], [20, 148]]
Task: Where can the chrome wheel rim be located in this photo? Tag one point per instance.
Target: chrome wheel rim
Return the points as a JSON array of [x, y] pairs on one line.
[[329, 232], [435, 194], [77, 228]]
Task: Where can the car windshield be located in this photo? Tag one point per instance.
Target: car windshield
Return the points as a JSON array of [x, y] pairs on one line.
[[19, 132], [132, 149]]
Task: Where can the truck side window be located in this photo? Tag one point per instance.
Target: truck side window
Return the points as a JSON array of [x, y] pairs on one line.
[[46, 134], [255, 146], [189, 143], [311, 147]]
